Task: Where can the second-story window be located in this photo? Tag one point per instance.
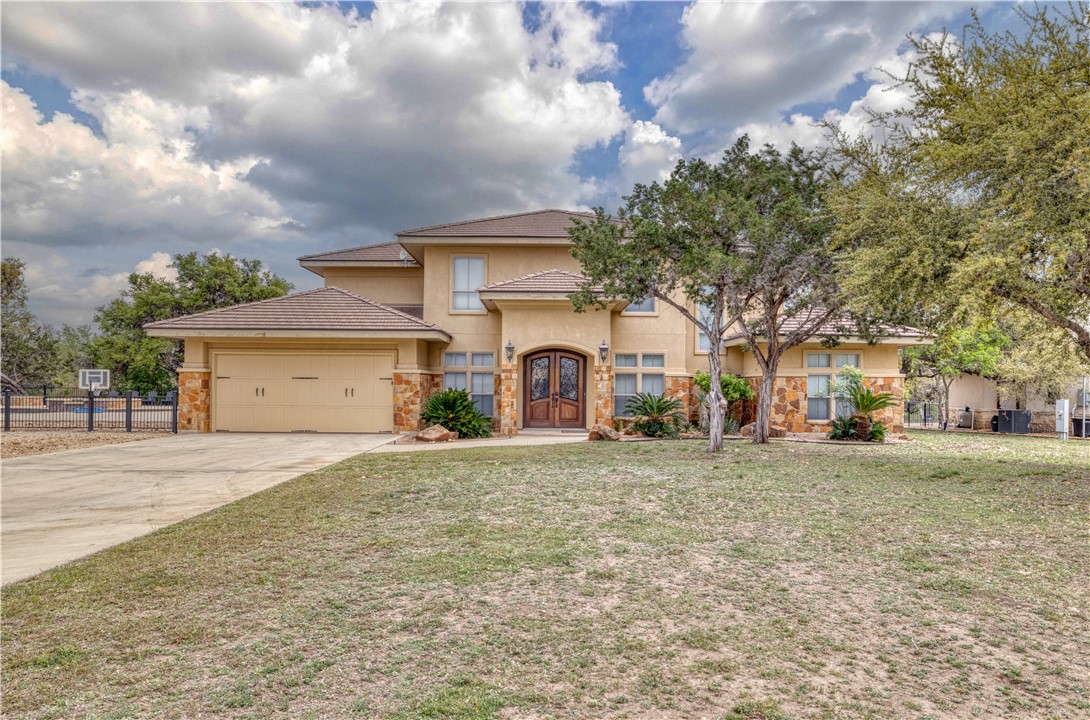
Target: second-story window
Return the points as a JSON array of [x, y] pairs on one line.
[[644, 305], [467, 274]]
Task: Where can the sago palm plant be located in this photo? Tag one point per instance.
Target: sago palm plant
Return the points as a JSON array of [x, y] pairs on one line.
[[657, 415]]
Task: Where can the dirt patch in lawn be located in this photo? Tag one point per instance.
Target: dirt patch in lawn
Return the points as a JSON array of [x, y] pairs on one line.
[[39, 442]]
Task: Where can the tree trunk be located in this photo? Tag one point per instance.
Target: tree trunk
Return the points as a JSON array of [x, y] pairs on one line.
[[945, 407], [715, 404], [764, 406]]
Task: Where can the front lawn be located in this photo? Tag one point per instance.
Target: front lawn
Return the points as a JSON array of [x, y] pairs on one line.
[[941, 578]]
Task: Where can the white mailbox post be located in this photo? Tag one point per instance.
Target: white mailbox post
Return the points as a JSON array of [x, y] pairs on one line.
[[1063, 417]]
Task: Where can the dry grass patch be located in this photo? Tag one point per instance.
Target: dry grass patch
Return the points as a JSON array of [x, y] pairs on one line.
[[595, 580], [21, 443]]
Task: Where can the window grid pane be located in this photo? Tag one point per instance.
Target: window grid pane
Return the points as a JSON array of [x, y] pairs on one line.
[[653, 384], [818, 360], [625, 360], [467, 275], [843, 359], [484, 359], [454, 381], [646, 305], [817, 392], [454, 359], [482, 387], [654, 361]]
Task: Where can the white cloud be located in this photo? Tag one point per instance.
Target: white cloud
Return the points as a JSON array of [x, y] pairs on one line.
[[884, 94], [648, 154], [749, 62], [159, 265]]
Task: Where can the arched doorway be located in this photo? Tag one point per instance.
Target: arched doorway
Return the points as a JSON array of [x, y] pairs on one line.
[[554, 389]]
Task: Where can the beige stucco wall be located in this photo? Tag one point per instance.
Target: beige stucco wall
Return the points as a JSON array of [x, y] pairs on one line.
[[390, 286]]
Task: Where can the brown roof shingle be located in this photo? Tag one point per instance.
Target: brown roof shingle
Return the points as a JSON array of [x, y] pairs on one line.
[[548, 281], [383, 253], [329, 308], [840, 327], [537, 224]]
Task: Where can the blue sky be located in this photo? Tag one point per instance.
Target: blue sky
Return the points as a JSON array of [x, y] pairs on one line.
[[134, 131]]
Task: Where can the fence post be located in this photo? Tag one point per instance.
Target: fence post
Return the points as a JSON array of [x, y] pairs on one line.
[[128, 411], [90, 410], [45, 396], [7, 408], [174, 412]]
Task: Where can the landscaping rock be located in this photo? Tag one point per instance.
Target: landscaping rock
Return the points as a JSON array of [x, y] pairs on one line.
[[436, 433], [773, 431], [603, 432]]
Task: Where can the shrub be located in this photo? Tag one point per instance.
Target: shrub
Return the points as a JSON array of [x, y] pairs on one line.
[[734, 389], [730, 425], [656, 415], [877, 432], [454, 410], [843, 428]]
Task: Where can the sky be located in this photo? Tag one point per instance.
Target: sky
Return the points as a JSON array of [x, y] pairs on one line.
[[132, 132]]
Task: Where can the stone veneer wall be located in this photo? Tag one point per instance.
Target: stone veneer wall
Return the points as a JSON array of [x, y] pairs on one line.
[[508, 399], [603, 395], [411, 390], [194, 400], [789, 404], [681, 387]]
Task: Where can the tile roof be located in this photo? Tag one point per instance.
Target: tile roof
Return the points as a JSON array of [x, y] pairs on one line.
[[383, 253], [537, 224], [328, 308], [549, 281], [842, 326]]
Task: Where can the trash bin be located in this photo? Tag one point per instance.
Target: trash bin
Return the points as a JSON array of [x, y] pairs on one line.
[[1014, 421], [1080, 427], [995, 423]]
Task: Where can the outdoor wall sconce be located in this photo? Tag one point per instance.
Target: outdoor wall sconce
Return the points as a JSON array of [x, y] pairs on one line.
[[509, 349], [603, 351]]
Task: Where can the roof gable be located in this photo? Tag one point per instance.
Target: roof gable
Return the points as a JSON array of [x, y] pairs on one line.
[[548, 281], [383, 253]]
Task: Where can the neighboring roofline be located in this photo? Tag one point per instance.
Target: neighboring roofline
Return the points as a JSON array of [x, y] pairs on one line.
[[501, 286], [413, 231]]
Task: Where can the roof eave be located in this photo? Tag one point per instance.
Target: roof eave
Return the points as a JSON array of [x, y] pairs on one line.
[[436, 334]]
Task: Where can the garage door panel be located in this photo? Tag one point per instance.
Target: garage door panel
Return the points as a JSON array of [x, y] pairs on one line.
[[285, 392]]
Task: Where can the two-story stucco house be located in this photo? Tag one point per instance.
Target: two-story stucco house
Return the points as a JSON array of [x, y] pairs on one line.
[[481, 305]]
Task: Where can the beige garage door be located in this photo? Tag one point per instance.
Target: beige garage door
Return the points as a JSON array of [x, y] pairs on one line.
[[271, 392]]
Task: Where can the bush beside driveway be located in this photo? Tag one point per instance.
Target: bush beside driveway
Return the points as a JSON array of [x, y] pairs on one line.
[[940, 578]]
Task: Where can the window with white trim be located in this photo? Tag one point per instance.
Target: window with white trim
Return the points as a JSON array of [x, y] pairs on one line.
[[843, 405], [704, 314], [479, 383], [644, 305], [818, 395], [627, 384], [466, 275]]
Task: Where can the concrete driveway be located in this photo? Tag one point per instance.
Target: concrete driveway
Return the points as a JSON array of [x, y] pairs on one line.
[[65, 505]]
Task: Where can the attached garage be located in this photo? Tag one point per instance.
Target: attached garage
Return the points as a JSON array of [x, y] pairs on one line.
[[295, 392], [319, 361]]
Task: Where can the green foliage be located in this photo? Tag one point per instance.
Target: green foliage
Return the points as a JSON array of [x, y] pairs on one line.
[[844, 428], [204, 282], [656, 415], [29, 353], [977, 199], [733, 387], [747, 237], [731, 426], [848, 378], [866, 402], [454, 410]]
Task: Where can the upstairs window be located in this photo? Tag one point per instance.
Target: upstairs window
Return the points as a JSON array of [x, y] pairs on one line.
[[645, 305], [467, 274]]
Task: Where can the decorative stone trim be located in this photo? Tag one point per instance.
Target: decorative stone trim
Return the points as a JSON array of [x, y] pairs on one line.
[[194, 400], [603, 395], [411, 390], [508, 400]]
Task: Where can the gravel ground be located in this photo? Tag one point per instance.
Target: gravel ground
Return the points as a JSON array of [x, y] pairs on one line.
[[38, 442]]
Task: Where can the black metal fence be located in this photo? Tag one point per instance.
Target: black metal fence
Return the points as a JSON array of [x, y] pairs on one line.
[[57, 409], [923, 414]]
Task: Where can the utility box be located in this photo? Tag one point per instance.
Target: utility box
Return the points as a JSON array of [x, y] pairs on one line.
[[1063, 417]]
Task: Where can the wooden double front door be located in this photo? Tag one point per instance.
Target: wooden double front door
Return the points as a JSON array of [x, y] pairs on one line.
[[555, 389]]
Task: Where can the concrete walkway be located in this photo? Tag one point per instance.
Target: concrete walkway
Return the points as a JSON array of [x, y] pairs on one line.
[[62, 506]]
